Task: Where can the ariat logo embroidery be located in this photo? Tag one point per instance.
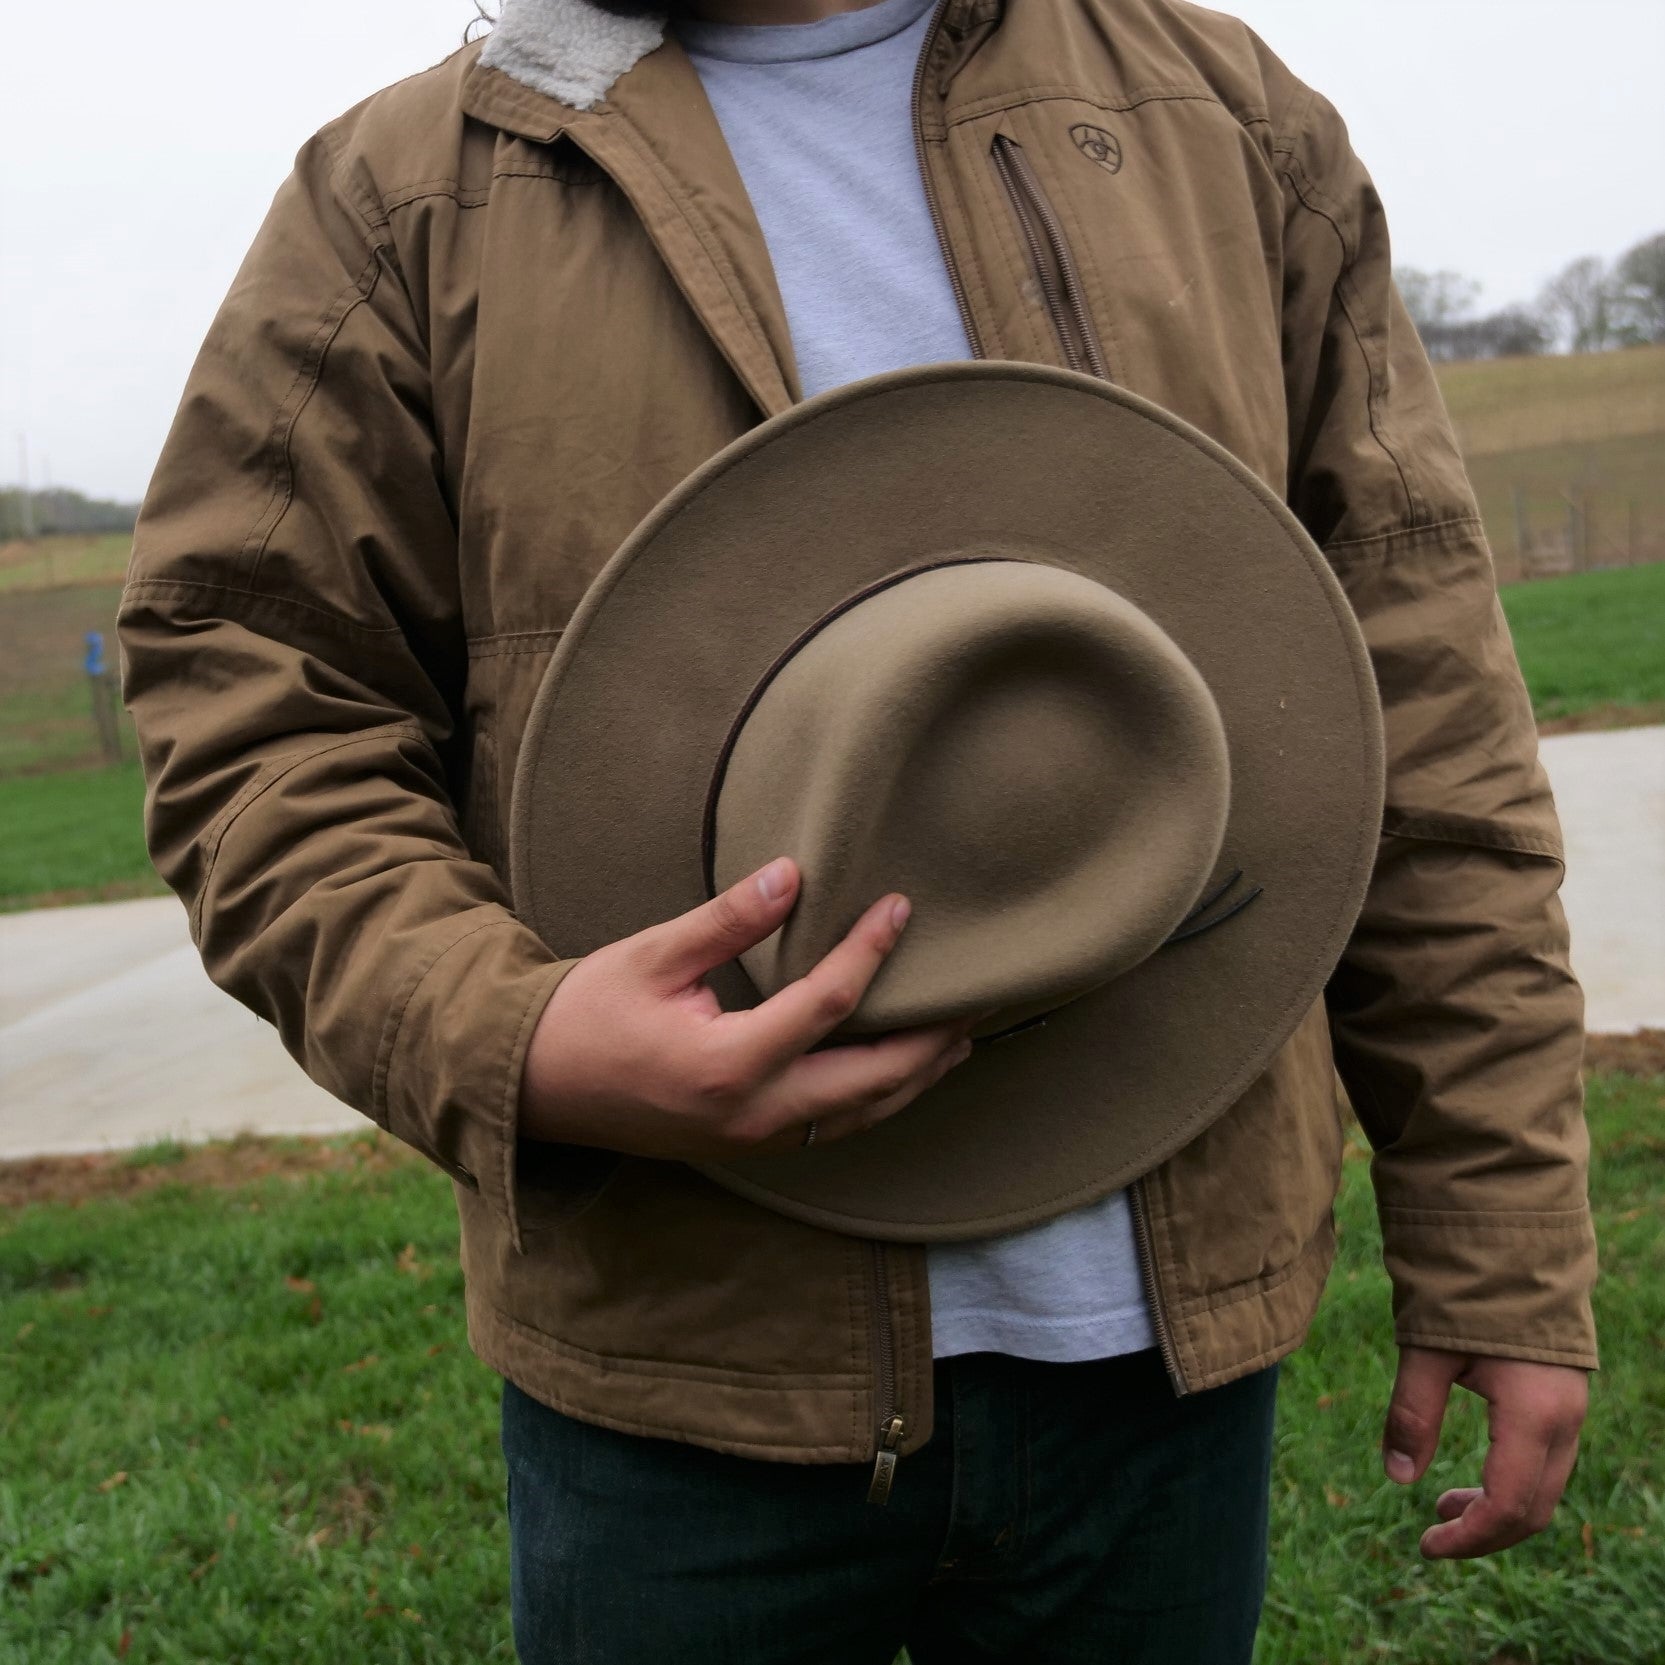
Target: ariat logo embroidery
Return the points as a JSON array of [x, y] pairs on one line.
[[1098, 145]]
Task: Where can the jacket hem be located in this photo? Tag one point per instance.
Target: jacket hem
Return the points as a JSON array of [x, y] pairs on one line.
[[690, 1408]]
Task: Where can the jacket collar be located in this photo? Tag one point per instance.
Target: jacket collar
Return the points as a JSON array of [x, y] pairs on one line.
[[554, 67], [569, 50]]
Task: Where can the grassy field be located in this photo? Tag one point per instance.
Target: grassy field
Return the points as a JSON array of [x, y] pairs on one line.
[[69, 558], [242, 1423], [1590, 426]]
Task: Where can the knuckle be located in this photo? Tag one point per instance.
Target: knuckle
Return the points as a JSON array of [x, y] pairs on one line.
[[727, 917], [887, 1084], [1409, 1425], [838, 1001], [722, 1083]]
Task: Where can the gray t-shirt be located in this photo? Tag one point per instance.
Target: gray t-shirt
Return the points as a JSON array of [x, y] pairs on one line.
[[819, 118]]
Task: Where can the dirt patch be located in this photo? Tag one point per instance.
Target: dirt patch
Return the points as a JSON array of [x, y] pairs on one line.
[[1640, 1054], [227, 1166], [1602, 717]]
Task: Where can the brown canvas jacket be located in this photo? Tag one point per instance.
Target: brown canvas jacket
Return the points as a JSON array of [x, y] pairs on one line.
[[481, 332]]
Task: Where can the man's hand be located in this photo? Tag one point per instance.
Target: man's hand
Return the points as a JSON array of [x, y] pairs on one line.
[[1535, 1412], [633, 1052]]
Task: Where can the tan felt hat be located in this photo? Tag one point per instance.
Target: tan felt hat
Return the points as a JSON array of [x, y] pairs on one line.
[[1035, 652]]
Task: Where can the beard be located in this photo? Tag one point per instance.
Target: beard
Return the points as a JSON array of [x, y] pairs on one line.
[[645, 8]]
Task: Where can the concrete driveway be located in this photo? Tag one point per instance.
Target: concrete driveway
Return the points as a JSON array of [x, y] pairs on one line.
[[112, 1036]]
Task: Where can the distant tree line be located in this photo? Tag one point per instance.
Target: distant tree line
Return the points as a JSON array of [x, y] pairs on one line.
[[1589, 307], [60, 510]]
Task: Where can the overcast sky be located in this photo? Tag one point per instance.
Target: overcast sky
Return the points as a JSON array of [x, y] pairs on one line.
[[140, 145]]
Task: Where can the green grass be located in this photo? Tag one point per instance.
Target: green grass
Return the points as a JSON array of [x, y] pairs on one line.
[[243, 1424], [79, 831], [1593, 639]]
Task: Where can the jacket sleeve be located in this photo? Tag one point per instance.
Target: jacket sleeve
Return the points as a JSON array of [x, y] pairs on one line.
[[1456, 1020], [293, 657]]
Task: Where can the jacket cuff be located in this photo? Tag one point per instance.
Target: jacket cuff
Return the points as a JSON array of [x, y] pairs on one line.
[[451, 1082], [1503, 1285]]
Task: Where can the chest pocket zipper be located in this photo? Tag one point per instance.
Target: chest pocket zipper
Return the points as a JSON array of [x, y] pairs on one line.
[[1050, 256]]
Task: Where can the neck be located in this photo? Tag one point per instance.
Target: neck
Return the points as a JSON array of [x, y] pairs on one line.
[[773, 11]]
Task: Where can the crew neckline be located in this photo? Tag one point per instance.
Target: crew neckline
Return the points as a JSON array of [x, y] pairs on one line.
[[780, 43]]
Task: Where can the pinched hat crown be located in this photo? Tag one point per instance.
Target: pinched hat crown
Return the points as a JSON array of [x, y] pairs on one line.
[[1022, 752]]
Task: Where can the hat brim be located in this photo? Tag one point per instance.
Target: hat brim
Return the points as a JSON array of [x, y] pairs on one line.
[[878, 476]]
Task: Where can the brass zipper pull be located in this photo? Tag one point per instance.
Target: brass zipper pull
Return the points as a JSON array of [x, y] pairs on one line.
[[884, 1465]]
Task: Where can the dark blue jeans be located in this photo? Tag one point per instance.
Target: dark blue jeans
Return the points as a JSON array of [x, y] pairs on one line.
[[1058, 1513]]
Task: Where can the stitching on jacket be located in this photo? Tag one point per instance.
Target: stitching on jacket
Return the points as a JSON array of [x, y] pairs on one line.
[[476, 196], [307, 376], [507, 1116], [396, 1016], [1311, 197], [970, 268], [1188, 1342], [270, 774], [740, 1379], [1264, 1284], [713, 252], [852, 1271], [1497, 1349], [1502, 1220], [513, 641], [997, 215], [1409, 531], [1065, 91], [273, 598], [1477, 835], [677, 1430], [1283, 1343]]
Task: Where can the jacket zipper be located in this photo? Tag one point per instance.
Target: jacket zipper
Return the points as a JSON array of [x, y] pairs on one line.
[[890, 1418], [1139, 1198], [955, 282], [890, 1424], [1051, 256]]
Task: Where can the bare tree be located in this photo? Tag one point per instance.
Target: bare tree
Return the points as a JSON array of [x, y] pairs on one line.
[[1579, 304], [1435, 300], [1640, 302]]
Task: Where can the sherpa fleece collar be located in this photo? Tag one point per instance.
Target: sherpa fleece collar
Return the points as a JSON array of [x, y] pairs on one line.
[[569, 50]]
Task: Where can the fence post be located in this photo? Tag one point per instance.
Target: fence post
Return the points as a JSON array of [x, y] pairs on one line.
[[1523, 529], [103, 688]]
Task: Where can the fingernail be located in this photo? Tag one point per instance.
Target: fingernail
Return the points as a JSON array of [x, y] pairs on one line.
[[775, 880], [1400, 1467], [899, 911]]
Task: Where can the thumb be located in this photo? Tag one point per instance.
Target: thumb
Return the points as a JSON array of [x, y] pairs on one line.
[[683, 949], [1420, 1392]]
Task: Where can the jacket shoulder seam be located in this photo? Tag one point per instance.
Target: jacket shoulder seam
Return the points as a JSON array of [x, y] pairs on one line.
[[1065, 91], [308, 373]]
